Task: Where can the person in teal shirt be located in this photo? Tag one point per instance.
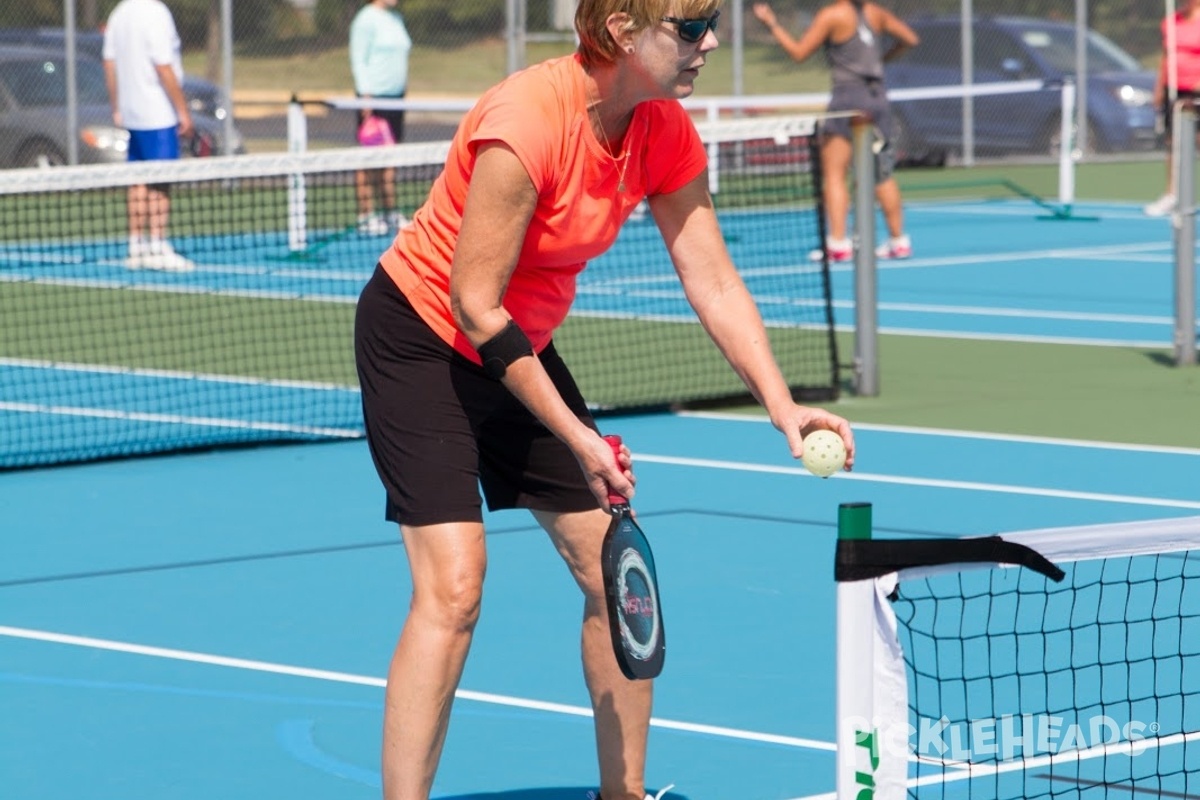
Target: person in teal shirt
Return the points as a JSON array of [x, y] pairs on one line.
[[379, 47]]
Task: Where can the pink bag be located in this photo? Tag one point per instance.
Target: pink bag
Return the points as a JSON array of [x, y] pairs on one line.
[[374, 132]]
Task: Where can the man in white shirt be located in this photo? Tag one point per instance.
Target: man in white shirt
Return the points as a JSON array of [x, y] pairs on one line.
[[144, 70]]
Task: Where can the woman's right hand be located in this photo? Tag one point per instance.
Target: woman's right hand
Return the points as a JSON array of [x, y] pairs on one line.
[[765, 14], [604, 474]]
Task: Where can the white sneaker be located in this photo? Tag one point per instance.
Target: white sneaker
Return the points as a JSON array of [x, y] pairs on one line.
[[896, 247], [159, 255], [137, 249], [839, 250], [1160, 207], [659, 796], [372, 225]]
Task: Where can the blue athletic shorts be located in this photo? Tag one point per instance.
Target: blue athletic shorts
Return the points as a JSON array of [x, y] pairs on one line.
[[439, 429], [156, 145]]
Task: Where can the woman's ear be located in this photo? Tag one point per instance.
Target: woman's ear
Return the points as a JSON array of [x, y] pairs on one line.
[[619, 27]]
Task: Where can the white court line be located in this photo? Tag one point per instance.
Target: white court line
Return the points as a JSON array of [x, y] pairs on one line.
[[164, 288], [957, 434], [970, 771], [571, 710], [144, 372], [365, 680], [929, 333], [951, 433], [1021, 313], [1091, 251], [937, 483], [180, 419]]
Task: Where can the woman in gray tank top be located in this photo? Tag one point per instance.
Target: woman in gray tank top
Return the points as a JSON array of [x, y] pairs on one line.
[[850, 31]]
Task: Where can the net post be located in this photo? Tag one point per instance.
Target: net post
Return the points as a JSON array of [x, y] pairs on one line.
[[857, 737], [712, 113], [1069, 102], [1066, 152], [1184, 223], [866, 323], [297, 133]]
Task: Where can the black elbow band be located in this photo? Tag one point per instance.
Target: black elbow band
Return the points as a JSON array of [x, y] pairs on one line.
[[503, 349]]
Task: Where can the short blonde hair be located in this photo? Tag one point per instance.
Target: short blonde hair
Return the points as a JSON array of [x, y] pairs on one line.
[[596, 46]]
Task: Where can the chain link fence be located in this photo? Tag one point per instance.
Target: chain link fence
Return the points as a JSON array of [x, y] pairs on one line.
[[286, 48]]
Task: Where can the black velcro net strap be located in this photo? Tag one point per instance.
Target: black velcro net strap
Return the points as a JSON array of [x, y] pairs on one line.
[[862, 559], [503, 349]]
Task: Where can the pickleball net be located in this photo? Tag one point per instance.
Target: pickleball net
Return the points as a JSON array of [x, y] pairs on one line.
[[108, 350], [1056, 663]]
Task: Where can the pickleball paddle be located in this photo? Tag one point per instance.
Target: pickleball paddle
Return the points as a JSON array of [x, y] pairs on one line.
[[631, 591]]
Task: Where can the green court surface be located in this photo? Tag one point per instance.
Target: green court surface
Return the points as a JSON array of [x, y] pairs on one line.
[[1109, 394], [1138, 180], [1104, 394]]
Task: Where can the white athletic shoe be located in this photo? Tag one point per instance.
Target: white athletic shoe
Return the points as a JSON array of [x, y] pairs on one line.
[[160, 256], [372, 225], [137, 249], [659, 796], [896, 247], [839, 250], [1160, 207]]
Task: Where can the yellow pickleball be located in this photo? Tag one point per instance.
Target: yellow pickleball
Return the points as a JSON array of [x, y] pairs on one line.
[[824, 453]]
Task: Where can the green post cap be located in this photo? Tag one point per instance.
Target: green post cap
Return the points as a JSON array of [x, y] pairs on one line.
[[854, 521]]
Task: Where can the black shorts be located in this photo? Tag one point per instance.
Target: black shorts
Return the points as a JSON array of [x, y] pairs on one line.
[[438, 428], [1168, 108], [393, 117]]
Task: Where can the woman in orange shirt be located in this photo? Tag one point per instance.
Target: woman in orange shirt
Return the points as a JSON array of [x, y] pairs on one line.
[[462, 386]]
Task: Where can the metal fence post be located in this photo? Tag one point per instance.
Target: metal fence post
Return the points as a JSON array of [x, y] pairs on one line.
[[1184, 221], [866, 323]]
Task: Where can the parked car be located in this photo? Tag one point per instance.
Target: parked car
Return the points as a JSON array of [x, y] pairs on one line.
[[34, 119], [203, 97], [1120, 113]]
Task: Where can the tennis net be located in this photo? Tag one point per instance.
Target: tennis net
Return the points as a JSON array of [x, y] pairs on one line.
[[1048, 663], [239, 328]]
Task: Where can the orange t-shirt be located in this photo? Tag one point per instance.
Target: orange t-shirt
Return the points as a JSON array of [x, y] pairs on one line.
[[541, 114]]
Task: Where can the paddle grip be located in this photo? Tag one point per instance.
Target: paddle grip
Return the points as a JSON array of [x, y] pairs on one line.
[[614, 442]]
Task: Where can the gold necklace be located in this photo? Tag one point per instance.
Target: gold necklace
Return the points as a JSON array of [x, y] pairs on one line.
[[624, 157]]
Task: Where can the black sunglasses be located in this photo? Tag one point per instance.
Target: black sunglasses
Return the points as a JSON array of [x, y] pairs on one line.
[[693, 30]]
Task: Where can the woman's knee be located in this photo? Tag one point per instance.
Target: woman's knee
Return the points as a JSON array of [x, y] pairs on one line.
[[452, 602]]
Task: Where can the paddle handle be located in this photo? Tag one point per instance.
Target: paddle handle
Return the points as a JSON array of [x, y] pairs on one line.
[[614, 442]]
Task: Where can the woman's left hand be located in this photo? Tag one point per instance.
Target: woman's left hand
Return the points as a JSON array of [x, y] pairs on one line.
[[800, 421]]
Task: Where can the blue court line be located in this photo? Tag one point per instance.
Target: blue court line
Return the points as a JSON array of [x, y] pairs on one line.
[[296, 738]]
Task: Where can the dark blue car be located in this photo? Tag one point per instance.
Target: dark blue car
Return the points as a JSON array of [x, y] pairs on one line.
[[1120, 113]]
